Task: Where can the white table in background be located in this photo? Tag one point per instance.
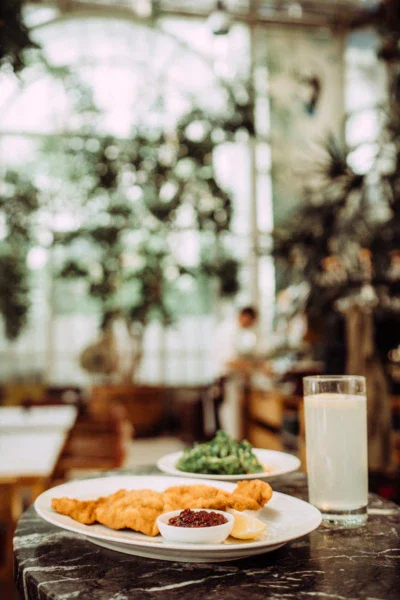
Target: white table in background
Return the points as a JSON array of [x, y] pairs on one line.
[[31, 442], [44, 418], [26, 455]]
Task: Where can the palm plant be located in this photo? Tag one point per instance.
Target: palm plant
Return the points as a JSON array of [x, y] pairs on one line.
[[346, 233]]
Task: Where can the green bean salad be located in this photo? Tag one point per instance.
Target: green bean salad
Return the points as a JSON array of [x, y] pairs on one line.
[[221, 456]]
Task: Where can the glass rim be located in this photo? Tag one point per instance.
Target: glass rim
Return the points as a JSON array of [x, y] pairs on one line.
[[334, 378]]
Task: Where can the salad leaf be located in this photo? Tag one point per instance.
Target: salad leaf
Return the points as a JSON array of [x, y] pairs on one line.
[[221, 456]]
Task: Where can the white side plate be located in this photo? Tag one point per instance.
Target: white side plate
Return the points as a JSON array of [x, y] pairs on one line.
[[287, 518], [279, 462]]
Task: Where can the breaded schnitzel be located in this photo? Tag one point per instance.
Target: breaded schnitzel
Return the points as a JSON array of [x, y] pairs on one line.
[[139, 509]]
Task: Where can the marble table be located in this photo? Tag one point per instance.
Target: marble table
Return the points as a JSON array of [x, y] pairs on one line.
[[328, 564]]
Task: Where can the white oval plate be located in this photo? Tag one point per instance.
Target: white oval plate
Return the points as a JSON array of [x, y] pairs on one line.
[[287, 519], [280, 463]]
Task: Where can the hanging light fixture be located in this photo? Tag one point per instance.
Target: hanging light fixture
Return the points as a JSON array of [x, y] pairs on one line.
[[220, 20]]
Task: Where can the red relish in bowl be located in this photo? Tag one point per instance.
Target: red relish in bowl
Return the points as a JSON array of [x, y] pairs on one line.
[[201, 518]]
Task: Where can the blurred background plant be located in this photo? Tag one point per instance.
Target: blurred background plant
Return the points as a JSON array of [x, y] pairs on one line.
[[341, 237], [18, 205], [130, 197], [342, 243], [135, 196], [15, 40]]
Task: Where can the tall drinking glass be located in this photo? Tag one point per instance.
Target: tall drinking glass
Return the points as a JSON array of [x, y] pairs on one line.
[[336, 446]]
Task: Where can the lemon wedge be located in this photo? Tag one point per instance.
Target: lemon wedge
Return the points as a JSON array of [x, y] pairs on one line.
[[246, 527]]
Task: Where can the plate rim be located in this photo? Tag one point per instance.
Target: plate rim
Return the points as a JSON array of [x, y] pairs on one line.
[[215, 477], [174, 546], [204, 557]]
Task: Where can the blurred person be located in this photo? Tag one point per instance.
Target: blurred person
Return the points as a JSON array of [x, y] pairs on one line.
[[235, 347], [235, 342]]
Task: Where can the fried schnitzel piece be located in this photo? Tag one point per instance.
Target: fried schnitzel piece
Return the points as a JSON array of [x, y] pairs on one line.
[[195, 496], [249, 495], [135, 509], [83, 511], [256, 491], [139, 509]]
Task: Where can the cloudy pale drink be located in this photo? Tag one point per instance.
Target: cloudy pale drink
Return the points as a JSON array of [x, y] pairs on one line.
[[337, 464]]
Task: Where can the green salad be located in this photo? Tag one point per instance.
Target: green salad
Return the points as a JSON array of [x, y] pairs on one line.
[[221, 456]]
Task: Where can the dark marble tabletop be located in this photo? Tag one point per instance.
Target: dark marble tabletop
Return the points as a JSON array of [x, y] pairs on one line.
[[328, 564]]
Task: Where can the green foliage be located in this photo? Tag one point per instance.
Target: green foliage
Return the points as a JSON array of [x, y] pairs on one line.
[[72, 270], [137, 198], [14, 296], [133, 201], [384, 16], [344, 241], [18, 204], [14, 35], [226, 270]]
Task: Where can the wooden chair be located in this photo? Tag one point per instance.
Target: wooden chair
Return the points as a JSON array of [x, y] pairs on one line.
[[396, 430], [186, 413], [96, 442], [265, 414], [144, 405]]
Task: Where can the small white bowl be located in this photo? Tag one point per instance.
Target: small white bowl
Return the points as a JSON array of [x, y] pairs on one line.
[[215, 534]]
